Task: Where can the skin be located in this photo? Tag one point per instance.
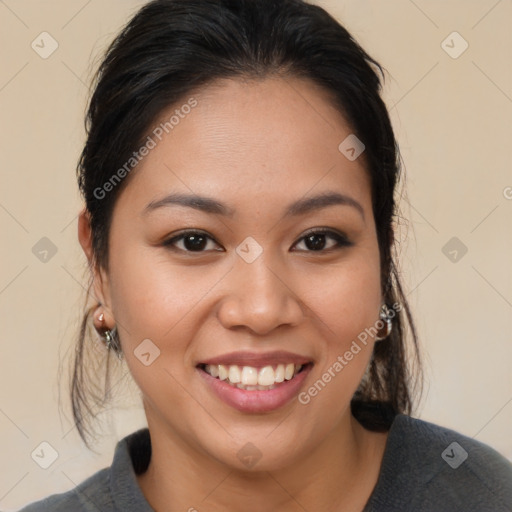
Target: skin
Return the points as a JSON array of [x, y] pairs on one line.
[[256, 146]]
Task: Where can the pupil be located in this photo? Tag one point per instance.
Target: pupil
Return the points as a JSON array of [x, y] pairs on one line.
[[317, 241], [197, 242]]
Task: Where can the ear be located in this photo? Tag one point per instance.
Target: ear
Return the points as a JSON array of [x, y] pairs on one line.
[[101, 288]]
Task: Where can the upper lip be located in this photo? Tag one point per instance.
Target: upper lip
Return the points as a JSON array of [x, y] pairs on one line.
[[257, 358]]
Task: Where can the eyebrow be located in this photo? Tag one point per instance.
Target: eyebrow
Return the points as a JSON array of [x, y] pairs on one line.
[[210, 205]]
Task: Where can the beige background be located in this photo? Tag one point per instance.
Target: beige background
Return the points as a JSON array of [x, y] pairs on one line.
[[453, 119]]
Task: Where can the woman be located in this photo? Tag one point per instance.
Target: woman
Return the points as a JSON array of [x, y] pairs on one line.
[[239, 177]]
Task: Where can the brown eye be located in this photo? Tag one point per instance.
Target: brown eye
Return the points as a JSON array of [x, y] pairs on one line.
[[316, 240], [191, 241]]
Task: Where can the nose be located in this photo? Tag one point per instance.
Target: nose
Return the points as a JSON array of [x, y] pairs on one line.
[[259, 298]]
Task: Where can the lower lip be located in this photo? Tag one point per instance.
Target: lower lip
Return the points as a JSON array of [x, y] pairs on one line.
[[256, 401]]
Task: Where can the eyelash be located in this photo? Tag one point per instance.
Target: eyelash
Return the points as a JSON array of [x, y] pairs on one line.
[[341, 240]]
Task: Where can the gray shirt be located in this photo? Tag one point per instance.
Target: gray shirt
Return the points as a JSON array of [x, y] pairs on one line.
[[425, 468]]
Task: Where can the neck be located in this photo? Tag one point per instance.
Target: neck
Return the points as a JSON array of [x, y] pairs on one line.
[[339, 474]]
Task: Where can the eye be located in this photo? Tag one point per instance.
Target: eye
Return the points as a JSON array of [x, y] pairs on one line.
[[191, 241], [315, 240]]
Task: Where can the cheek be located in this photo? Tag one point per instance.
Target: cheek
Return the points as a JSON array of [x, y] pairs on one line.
[[153, 300], [151, 296], [346, 305], [346, 298]]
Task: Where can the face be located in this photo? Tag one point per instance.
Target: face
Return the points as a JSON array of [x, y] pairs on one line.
[[263, 273]]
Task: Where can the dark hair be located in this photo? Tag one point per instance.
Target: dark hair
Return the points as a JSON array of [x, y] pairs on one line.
[[171, 48]]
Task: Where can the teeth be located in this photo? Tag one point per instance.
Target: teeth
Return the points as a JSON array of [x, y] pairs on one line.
[[234, 374], [266, 376], [279, 374], [222, 371], [249, 376], [252, 379]]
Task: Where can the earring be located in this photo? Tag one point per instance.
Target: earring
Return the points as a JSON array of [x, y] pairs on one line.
[[112, 341], [109, 336], [385, 317]]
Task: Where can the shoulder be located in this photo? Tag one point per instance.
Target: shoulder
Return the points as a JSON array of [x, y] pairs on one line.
[[91, 495], [110, 489], [435, 468]]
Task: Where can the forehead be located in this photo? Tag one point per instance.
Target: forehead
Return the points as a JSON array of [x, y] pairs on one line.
[[259, 139]]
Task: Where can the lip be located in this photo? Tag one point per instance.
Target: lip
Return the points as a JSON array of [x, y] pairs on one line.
[[256, 401], [257, 359]]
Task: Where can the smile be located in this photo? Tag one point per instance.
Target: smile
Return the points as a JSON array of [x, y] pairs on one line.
[[253, 382]]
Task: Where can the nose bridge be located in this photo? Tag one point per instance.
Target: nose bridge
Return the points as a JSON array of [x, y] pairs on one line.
[[260, 283], [257, 296]]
